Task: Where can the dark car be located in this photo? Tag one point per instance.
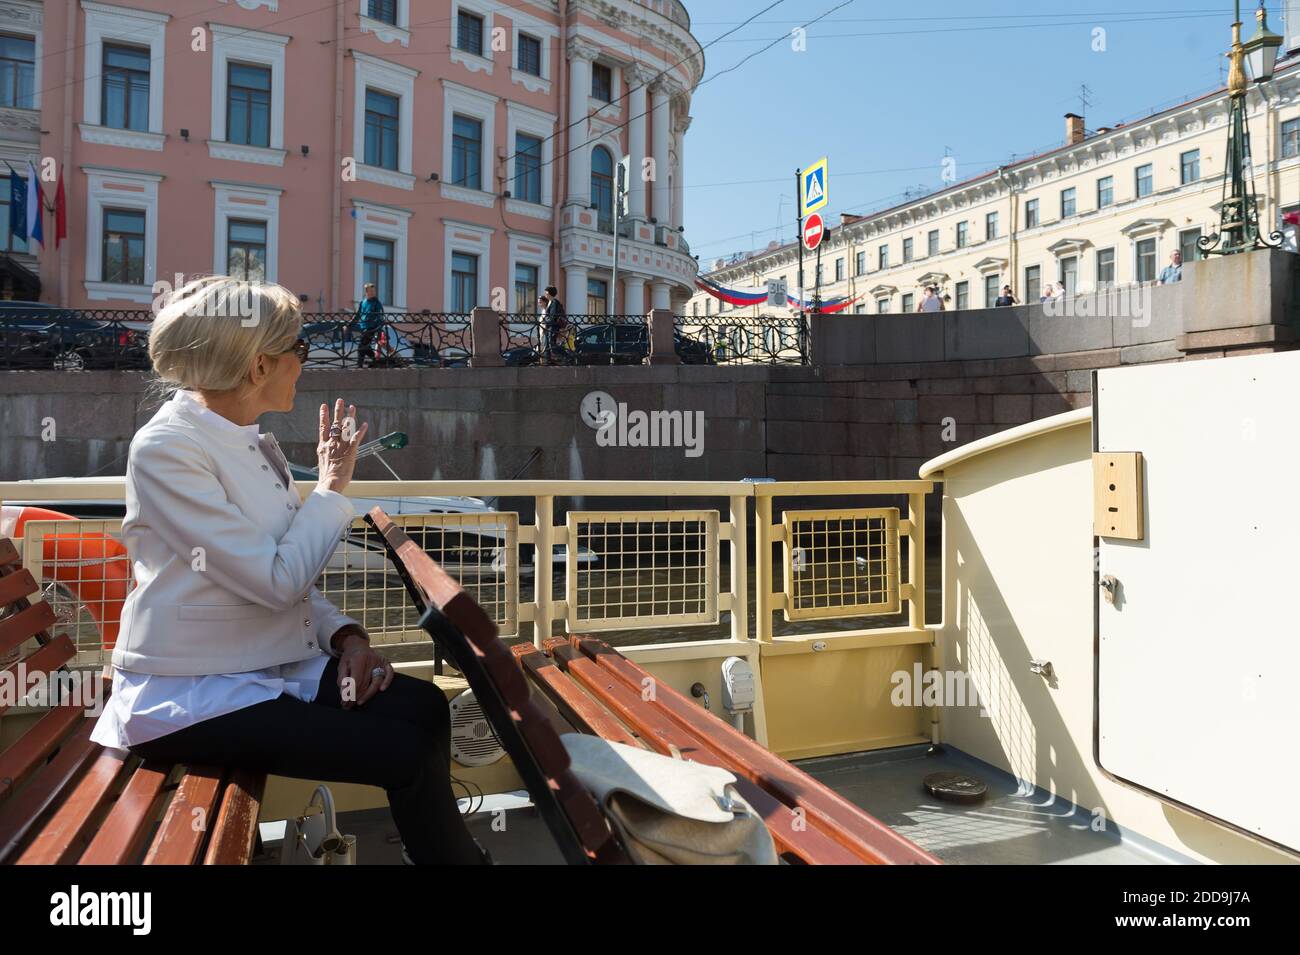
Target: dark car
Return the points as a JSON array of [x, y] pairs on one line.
[[611, 343], [34, 335]]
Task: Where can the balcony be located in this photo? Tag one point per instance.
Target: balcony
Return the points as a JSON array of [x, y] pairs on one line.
[[657, 253]]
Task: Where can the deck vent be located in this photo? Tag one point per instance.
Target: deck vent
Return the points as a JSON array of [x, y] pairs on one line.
[[473, 743]]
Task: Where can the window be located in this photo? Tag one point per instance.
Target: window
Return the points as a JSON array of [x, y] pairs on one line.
[[382, 114], [1291, 138], [526, 289], [384, 11], [8, 241], [882, 257], [1068, 204], [377, 267], [1105, 191], [1105, 268], [1142, 179], [602, 188], [963, 233], [597, 297], [602, 82], [530, 55], [882, 306], [860, 266], [1187, 244], [1190, 166], [248, 105], [908, 302], [839, 269], [991, 225], [1070, 274], [1146, 260], [1033, 283], [125, 87], [990, 291], [123, 260], [469, 32], [464, 282], [17, 71], [1031, 213], [963, 295], [466, 152], [907, 250], [246, 250], [528, 168], [932, 242]]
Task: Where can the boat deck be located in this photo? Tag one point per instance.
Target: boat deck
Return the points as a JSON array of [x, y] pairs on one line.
[[1009, 827]]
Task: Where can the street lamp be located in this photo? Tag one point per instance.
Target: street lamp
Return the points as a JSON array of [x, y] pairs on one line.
[[1261, 49], [1239, 210]]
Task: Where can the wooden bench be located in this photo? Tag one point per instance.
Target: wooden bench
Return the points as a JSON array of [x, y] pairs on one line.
[[64, 799], [597, 690]]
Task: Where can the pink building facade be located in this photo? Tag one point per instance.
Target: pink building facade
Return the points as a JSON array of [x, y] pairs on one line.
[[460, 153]]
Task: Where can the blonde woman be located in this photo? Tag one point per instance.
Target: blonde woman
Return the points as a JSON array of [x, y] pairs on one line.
[[228, 654]]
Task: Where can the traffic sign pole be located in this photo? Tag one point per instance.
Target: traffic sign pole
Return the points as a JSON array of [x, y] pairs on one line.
[[798, 229]]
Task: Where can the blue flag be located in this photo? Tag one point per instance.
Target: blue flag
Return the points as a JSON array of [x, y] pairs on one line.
[[17, 205]]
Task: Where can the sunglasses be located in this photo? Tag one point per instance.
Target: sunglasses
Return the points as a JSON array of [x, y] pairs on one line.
[[301, 349]]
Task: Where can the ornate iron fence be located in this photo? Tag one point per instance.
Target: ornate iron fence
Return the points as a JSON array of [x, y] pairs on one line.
[[407, 339], [585, 340], [745, 340], [34, 337]]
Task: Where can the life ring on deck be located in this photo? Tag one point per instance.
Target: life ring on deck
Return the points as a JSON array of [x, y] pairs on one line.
[[94, 567]]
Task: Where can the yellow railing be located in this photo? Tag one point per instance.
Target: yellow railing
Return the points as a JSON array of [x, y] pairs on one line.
[[629, 569]]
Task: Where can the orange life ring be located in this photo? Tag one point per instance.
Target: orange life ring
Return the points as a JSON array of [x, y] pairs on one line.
[[95, 567]]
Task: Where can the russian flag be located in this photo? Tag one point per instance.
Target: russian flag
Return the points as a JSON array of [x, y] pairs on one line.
[[34, 206]]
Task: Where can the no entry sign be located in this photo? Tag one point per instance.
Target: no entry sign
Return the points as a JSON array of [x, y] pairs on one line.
[[813, 229]]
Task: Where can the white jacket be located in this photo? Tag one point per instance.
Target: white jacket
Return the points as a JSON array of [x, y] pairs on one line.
[[225, 551]]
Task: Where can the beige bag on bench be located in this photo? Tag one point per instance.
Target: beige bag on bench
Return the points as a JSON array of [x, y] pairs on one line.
[[670, 811]]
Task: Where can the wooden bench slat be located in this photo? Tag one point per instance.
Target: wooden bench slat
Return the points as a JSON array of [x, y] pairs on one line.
[[21, 814], [807, 844], [44, 661], [122, 834], [16, 586], [30, 751], [25, 624], [61, 839], [235, 831], [851, 826], [189, 816], [574, 705], [8, 552]]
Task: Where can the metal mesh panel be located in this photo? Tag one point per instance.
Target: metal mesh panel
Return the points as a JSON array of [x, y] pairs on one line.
[[480, 550], [841, 563], [84, 574], [657, 568]]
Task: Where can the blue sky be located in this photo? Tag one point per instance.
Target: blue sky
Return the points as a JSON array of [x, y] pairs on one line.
[[885, 87]]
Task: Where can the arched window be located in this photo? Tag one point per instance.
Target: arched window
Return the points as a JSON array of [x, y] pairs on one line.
[[602, 188]]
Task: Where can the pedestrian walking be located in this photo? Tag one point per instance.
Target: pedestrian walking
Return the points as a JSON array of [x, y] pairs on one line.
[[555, 322], [369, 320]]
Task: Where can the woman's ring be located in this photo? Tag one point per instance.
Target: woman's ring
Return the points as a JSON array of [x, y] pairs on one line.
[[378, 672]]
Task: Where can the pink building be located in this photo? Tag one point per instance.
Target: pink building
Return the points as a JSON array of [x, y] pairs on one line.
[[456, 152]]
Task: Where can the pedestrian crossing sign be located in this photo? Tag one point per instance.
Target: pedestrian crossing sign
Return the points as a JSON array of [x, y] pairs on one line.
[[812, 187]]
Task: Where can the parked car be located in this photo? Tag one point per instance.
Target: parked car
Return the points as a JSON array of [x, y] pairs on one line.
[[611, 343], [34, 335], [335, 345]]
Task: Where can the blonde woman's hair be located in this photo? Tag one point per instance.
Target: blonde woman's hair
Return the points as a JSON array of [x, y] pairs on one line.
[[209, 331]]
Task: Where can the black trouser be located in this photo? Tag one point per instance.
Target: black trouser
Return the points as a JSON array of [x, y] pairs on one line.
[[364, 349], [399, 740]]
